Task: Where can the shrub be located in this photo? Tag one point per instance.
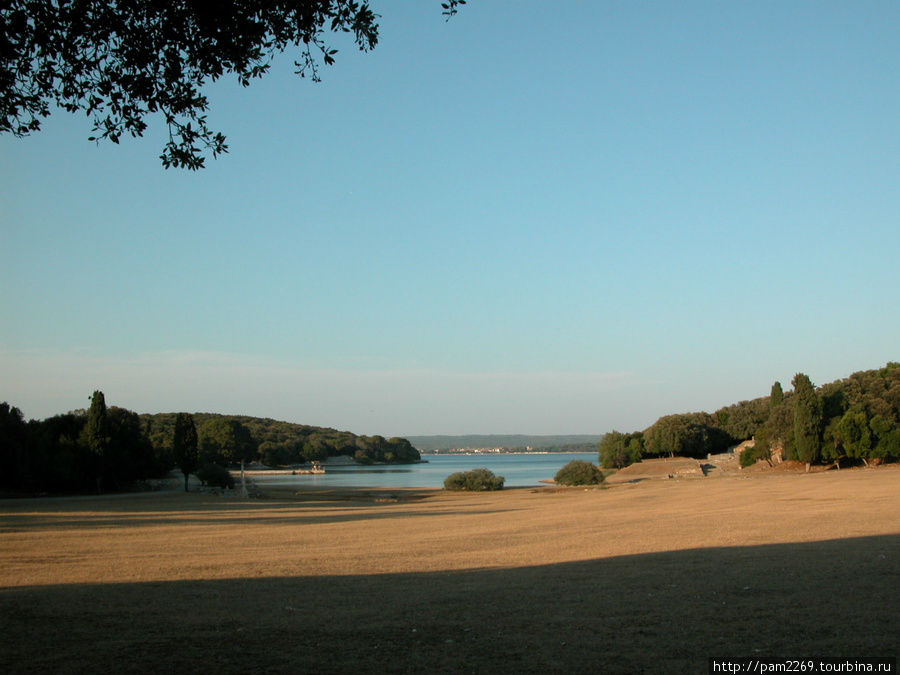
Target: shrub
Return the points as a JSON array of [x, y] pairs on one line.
[[751, 456], [474, 480], [579, 472], [216, 476]]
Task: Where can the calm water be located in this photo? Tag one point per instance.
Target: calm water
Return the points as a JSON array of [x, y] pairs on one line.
[[519, 471]]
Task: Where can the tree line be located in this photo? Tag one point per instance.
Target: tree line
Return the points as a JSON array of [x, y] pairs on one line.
[[856, 419], [111, 448]]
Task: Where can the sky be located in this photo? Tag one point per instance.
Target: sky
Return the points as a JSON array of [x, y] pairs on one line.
[[539, 217]]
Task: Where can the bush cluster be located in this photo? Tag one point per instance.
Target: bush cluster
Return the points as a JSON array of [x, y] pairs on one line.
[[474, 480], [579, 472], [216, 476]]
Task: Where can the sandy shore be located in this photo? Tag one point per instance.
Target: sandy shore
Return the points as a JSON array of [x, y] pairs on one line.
[[653, 576]]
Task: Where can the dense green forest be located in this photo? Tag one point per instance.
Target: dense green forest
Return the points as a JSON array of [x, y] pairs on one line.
[[854, 420], [284, 443], [114, 448]]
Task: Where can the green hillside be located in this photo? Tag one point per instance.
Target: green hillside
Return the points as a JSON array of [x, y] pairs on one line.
[[851, 421]]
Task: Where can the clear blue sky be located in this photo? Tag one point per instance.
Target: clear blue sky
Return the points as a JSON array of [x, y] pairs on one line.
[[540, 217]]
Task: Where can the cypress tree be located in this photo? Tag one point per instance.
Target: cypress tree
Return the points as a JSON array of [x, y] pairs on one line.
[[807, 420], [184, 445], [776, 397], [96, 436]]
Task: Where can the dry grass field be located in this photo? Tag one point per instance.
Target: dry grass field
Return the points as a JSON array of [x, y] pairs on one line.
[[652, 576]]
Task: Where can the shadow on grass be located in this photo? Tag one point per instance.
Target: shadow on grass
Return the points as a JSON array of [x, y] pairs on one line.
[[655, 613], [309, 507]]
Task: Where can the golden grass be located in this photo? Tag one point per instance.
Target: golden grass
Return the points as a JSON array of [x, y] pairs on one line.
[[656, 575]]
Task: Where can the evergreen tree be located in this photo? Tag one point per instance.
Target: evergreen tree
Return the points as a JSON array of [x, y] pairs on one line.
[[13, 446], [184, 445], [807, 420], [96, 437], [776, 397]]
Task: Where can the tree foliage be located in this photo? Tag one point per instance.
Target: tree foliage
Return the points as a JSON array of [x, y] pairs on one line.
[[55, 454], [96, 431], [618, 450], [776, 397], [807, 420], [688, 435], [887, 437], [216, 476], [14, 458], [752, 455], [778, 430], [476, 480], [741, 420], [57, 461], [286, 443], [855, 433], [854, 419], [226, 441], [579, 472], [862, 416], [77, 451], [376, 449], [121, 61], [185, 445], [131, 455], [95, 437]]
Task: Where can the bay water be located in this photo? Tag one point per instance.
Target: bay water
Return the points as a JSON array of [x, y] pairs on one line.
[[519, 470]]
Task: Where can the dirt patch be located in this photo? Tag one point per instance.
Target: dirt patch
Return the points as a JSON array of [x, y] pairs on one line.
[[650, 577], [677, 467]]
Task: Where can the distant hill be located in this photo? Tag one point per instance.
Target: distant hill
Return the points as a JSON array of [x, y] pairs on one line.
[[510, 442], [286, 443]]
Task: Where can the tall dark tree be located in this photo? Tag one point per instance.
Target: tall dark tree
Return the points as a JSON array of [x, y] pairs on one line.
[[807, 420], [96, 437], [776, 397], [13, 446], [122, 60], [185, 449], [58, 458], [131, 453]]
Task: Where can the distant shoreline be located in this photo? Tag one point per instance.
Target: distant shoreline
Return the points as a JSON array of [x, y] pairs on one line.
[[503, 452]]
